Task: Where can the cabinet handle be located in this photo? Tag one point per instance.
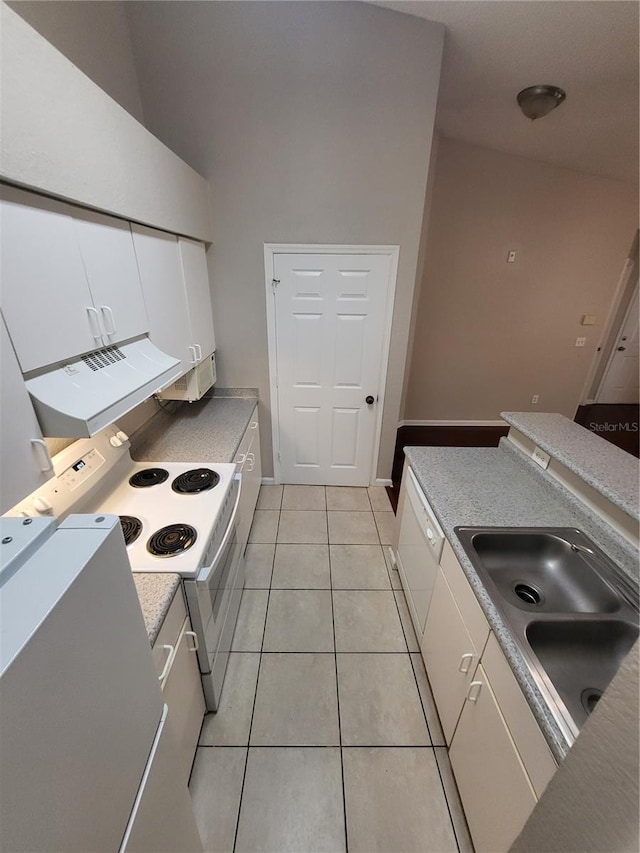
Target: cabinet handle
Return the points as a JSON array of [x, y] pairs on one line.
[[167, 664], [199, 352], [93, 316], [196, 642], [194, 358], [468, 658], [251, 460], [107, 312], [45, 460], [472, 695], [240, 461], [254, 425]]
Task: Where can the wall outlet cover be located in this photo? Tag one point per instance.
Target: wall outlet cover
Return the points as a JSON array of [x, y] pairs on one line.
[[580, 342], [540, 457]]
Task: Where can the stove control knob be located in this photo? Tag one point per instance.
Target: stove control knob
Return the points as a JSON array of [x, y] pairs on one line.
[[114, 441], [122, 436], [42, 506]]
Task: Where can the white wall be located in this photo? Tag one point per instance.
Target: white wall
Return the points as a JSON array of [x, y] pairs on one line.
[[95, 37], [62, 135], [313, 123], [489, 334]]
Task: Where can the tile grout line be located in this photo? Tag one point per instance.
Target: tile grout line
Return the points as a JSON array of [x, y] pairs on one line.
[[335, 663], [255, 696], [424, 713]]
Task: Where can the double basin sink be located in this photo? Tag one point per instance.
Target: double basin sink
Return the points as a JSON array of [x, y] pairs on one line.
[[572, 613]]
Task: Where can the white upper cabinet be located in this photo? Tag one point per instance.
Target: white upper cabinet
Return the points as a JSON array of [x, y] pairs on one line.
[[109, 260], [196, 279], [25, 462], [165, 299], [46, 299]]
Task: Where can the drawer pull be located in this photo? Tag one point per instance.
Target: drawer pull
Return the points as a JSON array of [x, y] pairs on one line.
[[253, 425], [167, 664], [472, 694], [196, 643], [468, 659]]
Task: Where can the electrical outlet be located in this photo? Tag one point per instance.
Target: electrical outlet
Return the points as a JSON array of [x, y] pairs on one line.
[[535, 398], [540, 457], [580, 342], [511, 257]]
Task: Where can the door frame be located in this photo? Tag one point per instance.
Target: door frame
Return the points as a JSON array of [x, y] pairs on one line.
[[272, 249], [612, 353]]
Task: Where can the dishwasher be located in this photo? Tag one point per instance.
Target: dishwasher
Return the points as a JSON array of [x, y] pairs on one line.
[[420, 544]]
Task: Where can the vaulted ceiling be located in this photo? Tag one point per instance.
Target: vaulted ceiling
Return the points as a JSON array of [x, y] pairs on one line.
[[494, 49]]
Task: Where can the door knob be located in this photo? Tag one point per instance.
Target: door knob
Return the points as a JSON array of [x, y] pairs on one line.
[[369, 400], [620, 349]]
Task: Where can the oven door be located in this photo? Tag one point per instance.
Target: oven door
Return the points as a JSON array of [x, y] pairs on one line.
[[208, 596]]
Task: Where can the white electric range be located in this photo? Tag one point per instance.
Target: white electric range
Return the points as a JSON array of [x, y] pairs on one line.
[[175, 517]]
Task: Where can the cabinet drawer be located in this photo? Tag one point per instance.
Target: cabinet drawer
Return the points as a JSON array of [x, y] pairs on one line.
[[493, 784], [169, 632], [247, 441], [474, 619], [529, 740]]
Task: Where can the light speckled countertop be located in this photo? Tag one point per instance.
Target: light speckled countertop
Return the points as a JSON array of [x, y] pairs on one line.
[[204, 432], [207, 431], [605, 467], [155, 591], [502, 487]]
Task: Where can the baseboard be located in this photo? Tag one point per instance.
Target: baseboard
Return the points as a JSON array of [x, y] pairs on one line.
[[418, 423], [268, 481], [383, 481]]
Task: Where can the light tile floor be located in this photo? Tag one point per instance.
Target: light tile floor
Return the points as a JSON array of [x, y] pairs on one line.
[[327, 738]]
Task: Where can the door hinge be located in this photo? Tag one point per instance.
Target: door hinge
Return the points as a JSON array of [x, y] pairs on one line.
[[274, 283]]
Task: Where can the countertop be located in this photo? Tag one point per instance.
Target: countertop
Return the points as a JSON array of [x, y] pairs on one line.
[[609, 470], [502, 487], [155, 592], [207, 431]]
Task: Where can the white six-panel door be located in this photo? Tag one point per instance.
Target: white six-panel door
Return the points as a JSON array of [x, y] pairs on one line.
[[330, 344]]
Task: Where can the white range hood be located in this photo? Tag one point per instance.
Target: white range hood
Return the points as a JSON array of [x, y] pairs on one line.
[[79, 398]]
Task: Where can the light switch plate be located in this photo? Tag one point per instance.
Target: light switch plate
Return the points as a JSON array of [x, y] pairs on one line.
[[540, 457], [588, 319]]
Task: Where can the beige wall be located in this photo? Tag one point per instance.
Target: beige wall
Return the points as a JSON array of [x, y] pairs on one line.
[[95, 37], [489, 335], [591, 804], [313, 123]]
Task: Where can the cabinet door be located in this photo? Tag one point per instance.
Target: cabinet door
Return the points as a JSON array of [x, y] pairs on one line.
[[25, 460], [183, 694], [45, 294], [196, 280], [109, 260], [164, 294], [494, 787], [449, 655], [254, 467]]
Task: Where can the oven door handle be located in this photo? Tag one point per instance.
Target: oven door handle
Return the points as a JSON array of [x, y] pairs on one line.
[[206, 573]]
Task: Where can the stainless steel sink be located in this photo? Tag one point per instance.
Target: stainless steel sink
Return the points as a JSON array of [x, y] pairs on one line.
[[581, 658], [570, 610], [543, 572]]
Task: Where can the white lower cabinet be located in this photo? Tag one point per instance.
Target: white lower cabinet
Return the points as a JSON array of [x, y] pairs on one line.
[[500, 758], [174, 654], [249, 464], [449, 655], [493, 783]]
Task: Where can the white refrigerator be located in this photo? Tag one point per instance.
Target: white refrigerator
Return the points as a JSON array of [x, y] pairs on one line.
[[87, 762]]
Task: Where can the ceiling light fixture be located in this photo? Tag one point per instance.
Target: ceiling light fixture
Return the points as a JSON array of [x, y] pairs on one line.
[[538, 101]]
